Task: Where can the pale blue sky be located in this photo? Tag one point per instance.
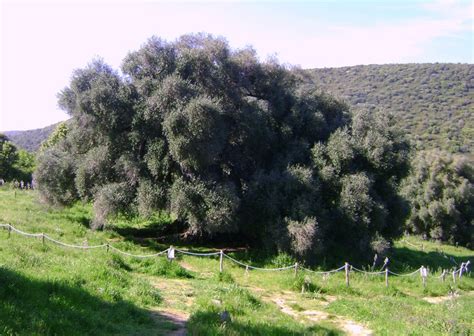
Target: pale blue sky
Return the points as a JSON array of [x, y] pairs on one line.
[[42, 42]]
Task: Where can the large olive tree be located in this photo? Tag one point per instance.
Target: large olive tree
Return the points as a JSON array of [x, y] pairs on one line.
[[229, 144]]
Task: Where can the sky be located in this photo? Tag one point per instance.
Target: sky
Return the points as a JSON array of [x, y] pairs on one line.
[[42, 42]]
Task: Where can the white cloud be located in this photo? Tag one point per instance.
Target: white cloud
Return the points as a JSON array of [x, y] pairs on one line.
[[403, 41]]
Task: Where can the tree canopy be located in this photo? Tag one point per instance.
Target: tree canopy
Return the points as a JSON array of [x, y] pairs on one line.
[[228, 144], [440, 189]]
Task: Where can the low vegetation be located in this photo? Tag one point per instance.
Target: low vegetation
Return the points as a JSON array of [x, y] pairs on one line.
[[49, 289]]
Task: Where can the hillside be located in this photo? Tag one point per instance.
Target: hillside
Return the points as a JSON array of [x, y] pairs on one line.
[[434, 103], [48, 289], [30, 140]]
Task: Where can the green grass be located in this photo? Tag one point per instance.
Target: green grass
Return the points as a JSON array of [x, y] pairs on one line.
[[52, 290]]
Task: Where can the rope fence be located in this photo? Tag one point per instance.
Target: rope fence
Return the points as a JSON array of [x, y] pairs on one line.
[[456, 273]]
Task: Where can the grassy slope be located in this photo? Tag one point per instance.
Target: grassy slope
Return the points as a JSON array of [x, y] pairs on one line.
[[54, 290]]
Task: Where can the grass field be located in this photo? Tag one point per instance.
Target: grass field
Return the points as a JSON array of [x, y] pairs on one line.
[[47, 289]]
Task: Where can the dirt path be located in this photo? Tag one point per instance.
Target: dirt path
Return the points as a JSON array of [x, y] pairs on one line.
[[286, 299], [177, 318], [441, 299], [350, 327], [177, 293], [178, 296]]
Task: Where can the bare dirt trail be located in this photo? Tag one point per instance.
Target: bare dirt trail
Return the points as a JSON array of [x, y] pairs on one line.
[[350, 327], [441, 299], [178, 295], [286, 299], [176, 318]]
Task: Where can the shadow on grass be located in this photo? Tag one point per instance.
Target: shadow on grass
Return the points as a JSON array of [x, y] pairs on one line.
[[159, 235], [208, 323], [403, 259], [152, 230], [81, 219], [39, 307]]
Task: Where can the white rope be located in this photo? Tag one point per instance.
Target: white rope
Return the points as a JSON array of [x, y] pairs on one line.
[[11, 227], [326, 272], [443, 273], [26, 233], [258, 268], [197, 254], [84, 247], [365, 272], [407, 274], [138, 255]]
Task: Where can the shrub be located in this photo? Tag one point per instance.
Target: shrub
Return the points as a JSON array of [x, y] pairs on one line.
[[440, 190]]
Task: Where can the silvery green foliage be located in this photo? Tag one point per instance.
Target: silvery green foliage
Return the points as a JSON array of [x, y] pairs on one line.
[[302, 234], [440, 190], [93, 171], [54, 175], [108, 200], [206, 207], [231, 145]]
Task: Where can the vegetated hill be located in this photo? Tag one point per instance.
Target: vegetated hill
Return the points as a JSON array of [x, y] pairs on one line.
[[434, 103], [30, 140]]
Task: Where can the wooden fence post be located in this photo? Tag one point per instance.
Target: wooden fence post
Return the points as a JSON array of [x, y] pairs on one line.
[[171, 253], [386, 277], [424, 274], [443, 275], [42, 238], [346, 267], [107, 247], [454, 276], [460, 270], [221, 262], [9, 230]]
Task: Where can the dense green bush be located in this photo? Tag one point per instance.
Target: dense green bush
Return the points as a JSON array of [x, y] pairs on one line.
[[230, 145], [441, 192], [15, 164], [54, 176]]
